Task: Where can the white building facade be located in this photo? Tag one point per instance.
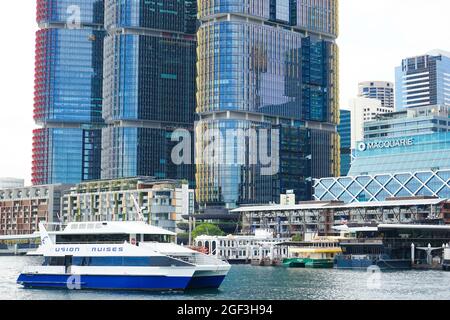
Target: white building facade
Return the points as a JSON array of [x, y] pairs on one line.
[[245, 249], [362, 111], [380, 90]]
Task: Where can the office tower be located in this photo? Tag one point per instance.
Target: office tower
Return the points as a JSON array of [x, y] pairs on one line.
[[345, 132], [363, 110], [404, 154], [423, 80], [380, 90], [408, 141], [68, 91], [408, 122], [267, 72], [149, 86]]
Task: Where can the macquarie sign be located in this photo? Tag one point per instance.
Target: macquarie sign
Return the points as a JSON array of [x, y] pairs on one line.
[[386, 144]]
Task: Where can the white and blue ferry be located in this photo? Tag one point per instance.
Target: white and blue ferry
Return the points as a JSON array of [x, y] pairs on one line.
[[120, 256]]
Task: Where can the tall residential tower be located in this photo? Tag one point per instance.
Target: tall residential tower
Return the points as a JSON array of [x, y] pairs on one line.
[[68, 91], [267, 76]]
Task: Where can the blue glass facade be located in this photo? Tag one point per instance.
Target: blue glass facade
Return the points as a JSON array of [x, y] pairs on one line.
[[66, 155], [402, 154], [345, 132], [61, 11], [138, 89], [168, 15], [281, 79], [68, 91], [409, 122], [149, 86], [285, 75], [128, 151], [69, 76], [319, 16], [405, 153]]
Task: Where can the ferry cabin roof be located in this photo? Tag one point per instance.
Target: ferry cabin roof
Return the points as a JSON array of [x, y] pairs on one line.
[[112, 232]]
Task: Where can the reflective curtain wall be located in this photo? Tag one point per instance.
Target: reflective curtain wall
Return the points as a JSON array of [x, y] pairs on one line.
[[65, 155], [267, 64], [149, 86], [68, 91]]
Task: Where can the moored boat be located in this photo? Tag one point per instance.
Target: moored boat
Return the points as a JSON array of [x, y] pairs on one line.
[[392, 246], [318, 253]]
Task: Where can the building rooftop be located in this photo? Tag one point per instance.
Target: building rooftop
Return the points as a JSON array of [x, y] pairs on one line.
[[415, 112], [398, 202], [439, 52]]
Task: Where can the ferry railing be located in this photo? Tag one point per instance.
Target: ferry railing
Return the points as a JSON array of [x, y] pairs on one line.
[[92, 242], [200, 259]]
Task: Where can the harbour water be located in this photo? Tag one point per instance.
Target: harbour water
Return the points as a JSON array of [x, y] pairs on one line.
[[261, 283]]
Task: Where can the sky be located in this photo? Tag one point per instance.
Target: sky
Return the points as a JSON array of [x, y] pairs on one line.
[[375, 35]]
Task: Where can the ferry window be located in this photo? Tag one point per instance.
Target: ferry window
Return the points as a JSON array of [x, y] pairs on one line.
[[81, 261], [126, 261], [92, 238], [54, 261], [157, 238]]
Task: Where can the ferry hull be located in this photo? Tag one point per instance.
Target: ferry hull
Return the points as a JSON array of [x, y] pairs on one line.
[[105, 282], [208, 282], [205, 278]]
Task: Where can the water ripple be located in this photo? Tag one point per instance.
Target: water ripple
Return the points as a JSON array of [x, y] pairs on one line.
[[260, 283]]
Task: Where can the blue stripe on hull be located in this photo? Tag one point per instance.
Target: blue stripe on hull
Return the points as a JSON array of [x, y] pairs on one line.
[[212, 282], [102, 282]]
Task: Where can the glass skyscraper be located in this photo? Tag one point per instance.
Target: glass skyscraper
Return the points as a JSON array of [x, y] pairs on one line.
[[68, 91], [267, 70], [345, 132], [423, 80], [417, 165], [149, 86]]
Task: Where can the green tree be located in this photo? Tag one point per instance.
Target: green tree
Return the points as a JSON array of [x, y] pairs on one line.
[[207, 229]]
